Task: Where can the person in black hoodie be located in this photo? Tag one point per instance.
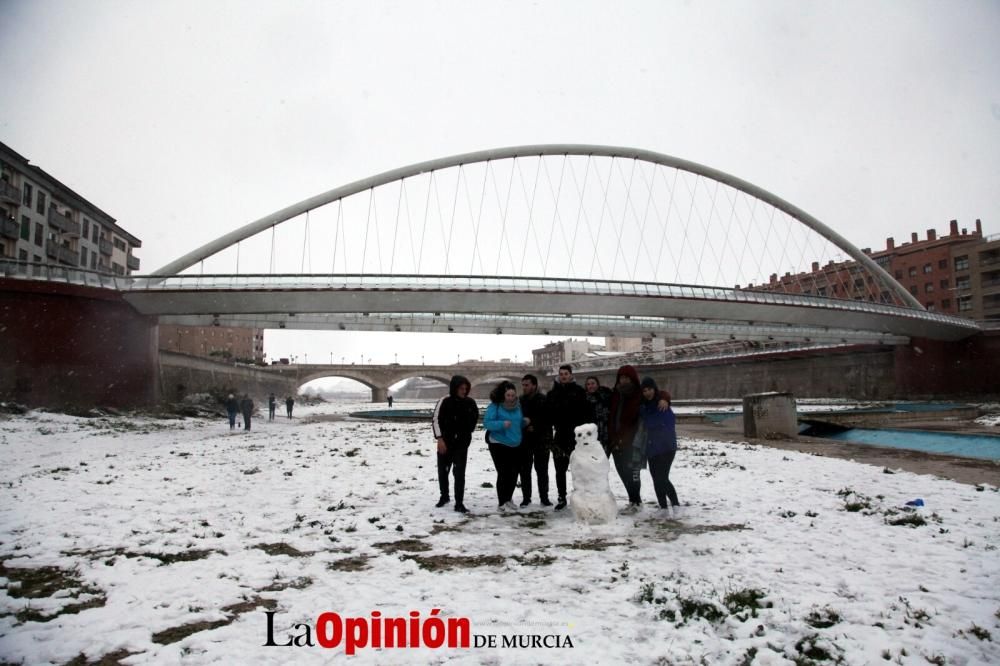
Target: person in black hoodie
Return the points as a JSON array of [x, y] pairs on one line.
[[535, 441], [455, 417], [246, 406], [568, 408], [599, 399]]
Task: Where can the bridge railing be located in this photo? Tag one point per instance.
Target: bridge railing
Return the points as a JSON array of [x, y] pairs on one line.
[[513, 284], [30, 270]]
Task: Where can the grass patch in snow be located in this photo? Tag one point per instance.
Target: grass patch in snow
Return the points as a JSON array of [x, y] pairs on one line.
[[822, 618], [448, 562], [280, 548], [356, 563], [407, 545], [46, 582]]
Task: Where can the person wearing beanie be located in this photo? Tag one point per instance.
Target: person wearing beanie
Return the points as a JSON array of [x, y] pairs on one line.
[[661, 444], [625, 437]]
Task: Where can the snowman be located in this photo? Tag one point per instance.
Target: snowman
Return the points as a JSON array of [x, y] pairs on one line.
[[591, 499]]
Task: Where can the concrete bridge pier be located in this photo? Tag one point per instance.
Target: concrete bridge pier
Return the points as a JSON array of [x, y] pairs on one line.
[[379, 394]]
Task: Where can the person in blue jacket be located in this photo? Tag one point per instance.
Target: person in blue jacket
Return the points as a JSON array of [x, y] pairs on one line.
[[661, 444], [503, 422]]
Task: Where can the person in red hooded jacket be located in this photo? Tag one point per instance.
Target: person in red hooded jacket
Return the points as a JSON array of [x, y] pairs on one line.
[[623, 427]]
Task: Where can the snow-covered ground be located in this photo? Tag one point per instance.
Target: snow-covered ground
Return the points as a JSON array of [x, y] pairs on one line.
[[169, 540]]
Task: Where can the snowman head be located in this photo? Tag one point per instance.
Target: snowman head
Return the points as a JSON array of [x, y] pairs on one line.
[[586, 434]]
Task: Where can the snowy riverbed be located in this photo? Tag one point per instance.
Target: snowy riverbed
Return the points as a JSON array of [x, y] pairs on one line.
[[166, 541]]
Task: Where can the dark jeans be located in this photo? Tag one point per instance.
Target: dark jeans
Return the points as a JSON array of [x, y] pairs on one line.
[[628, 475], [270, 413], [246, 421], [561, 463], [536, 456], [659, 467], [453, 460], [507, 460], [232, 420]]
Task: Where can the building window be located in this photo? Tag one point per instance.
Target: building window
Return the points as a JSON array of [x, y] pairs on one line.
[[39, 233], [26, 199], [859, 282], [83, 257], [928, 269], [943, 264], [946, 304], [120, 244], [93, 261], [929, 288], [899, 274], [40, 203], [962, 282], [86, 227], [913, 290], [929, 306], [118, 270], [944, 284], [22, 255], [965, 304], [97, 233], [913, 271], [25, 228], [962, 263]]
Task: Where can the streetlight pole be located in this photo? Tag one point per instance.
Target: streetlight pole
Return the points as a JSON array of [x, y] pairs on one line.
[[331, 358]]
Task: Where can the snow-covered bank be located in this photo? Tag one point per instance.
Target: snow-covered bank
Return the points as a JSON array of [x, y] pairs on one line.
[[170, 539]]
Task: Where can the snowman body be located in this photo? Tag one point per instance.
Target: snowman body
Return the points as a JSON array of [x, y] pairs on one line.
[[591, 499]]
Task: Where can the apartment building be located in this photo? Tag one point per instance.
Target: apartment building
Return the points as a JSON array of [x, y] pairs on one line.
[[977, 278], [564, 351], [45, 222], [944, 273], [217, 342]]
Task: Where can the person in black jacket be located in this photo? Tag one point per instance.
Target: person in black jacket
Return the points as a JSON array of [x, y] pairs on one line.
[[455, 417], [535, 441], [568, 408], [232, 409], [246, 406], [599, 399]]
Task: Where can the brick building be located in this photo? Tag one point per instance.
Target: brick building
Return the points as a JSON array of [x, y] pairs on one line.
[[218, 342]]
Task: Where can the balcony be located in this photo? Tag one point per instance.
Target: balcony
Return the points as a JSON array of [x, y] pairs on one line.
[[9, 228], [132, 262], [105, 247], [989, 260], [62, 254], [63, 223], [9, 193]]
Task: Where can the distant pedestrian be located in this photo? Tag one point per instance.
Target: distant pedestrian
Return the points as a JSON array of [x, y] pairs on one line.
[[389, 400], [246, 406], [272, 404], [455, 417], [232, 409], [289, 403], [661, 444]]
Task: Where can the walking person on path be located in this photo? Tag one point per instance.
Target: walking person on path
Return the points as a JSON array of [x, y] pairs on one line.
[[232, 409], [272, 404], [289, 403], [246, 406]]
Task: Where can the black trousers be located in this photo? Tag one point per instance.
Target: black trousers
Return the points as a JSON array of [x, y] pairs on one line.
[[246, 420], [628, 475], [453, 460], [537, 456], [561, 463], [270, 413], [506, 460], [659, 467]]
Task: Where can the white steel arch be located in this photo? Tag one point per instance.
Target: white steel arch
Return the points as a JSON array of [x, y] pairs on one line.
[[290, 212]]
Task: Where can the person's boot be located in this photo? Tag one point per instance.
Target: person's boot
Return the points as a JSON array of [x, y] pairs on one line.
[[526, 501], [545, 501], [441, 502], [461, 508], [561, 504]]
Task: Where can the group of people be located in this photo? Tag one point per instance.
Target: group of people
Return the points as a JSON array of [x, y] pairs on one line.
[[635, 422], [245, 406]]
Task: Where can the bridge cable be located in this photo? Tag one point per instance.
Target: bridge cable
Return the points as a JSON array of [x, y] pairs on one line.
[[503, 217], [271, 264], [409, 227], [364, 251], [621, 234], [654, 269], [423, 227], [687, 225], [238, 257], [531, 211], [378, 234], [596, 238], [555, 210], [395, 229], [477, 223], [451, 224], [305, 243], [666, 223], [336, 232]]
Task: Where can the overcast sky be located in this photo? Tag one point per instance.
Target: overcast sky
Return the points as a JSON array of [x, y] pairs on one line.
[[185, 120]]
